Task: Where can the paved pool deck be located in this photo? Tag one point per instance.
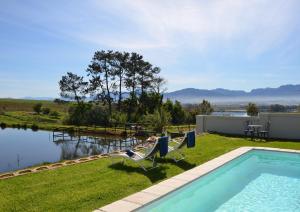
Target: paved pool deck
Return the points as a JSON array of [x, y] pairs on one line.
[[144, 197]]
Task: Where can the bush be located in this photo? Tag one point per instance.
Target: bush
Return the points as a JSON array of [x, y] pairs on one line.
[[277, 108], [46, 110], [37, 108], [158, 120], [54, 114], [34, 127], [2, 125], [118, 117], [88, 114]]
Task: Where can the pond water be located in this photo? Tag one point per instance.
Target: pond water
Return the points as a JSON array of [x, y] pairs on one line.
[[25, 148], [231, 113]]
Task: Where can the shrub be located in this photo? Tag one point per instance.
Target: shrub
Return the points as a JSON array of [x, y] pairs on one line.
[[158, 120], [34, 127], [277, 108], [54, 114], [37, 108], [2, 125], [46, 110]]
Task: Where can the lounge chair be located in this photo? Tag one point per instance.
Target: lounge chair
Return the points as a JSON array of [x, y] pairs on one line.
[[265, 133], [247, 129], [175, 145], [161, 146]]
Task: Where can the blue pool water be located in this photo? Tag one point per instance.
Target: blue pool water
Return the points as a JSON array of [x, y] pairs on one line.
[[256, 181]]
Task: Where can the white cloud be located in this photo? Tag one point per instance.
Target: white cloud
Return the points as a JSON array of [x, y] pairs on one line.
[[156, 24]]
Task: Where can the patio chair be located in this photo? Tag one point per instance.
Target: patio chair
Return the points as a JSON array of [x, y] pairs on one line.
[[188, 140], [265, 133], [161, 146]]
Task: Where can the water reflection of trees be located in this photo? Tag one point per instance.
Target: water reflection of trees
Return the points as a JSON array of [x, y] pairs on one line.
[[79, 146]]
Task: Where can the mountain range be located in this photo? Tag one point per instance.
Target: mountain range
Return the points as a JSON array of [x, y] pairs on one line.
[[283, 94]]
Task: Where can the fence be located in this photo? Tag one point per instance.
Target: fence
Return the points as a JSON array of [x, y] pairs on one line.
[[283, 125]]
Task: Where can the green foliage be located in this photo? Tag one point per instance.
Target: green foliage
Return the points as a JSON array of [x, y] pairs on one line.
[[178, 115], [119, 117], [46, 110], [73, 87], [2, 125], [88, 114], [37, 108], [205, 108], [54, 114], [158, 120], [252, 109], [277, 108]]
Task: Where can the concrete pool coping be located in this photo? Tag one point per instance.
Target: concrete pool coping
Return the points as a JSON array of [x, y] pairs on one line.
[[155, 192]]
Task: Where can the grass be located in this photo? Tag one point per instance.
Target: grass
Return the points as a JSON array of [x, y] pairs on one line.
[[27, 105], [88, 186]]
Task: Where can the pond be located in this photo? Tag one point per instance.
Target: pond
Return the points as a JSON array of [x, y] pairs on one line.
[[24, 148], [231, 113]]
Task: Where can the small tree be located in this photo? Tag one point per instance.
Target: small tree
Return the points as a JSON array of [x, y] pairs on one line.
[[252, 109], [205, 108], [73, 87], [37, 108], [299, 108]]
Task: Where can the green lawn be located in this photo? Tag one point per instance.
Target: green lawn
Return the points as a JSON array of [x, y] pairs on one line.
[[88, 186]]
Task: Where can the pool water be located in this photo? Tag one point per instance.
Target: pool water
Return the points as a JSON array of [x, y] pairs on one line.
[[259, 180]]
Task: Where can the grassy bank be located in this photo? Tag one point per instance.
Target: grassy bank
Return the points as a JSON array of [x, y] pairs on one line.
[[88, 186]]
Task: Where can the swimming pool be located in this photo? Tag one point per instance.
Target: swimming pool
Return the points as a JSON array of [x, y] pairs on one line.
[[258, 180]]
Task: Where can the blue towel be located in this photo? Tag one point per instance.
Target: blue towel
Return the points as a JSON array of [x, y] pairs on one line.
[[163, 146], [191, 142], [129, 152]]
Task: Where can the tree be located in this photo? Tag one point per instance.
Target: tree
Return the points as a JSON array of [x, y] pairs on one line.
[[101, 70], [73, 87], [277, 108], [176, 110], [158, 85], [37, 108], [131, 83], [120, 63], [205, 108], [132, 71], [252, 109]]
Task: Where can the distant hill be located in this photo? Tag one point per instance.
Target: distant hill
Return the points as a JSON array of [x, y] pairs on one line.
[[38, 98], [283, 94]]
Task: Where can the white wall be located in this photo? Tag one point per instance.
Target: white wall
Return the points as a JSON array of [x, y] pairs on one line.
[[284, 126]]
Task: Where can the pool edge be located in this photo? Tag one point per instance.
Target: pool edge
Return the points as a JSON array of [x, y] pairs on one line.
[[155, 192]]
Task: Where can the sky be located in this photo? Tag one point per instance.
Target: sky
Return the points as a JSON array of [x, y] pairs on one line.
[[232, 44]]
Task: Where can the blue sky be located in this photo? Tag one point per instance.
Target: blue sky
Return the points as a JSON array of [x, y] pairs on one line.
[[203, 44]]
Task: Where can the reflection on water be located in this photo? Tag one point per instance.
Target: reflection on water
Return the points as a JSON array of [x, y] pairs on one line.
[[24, 148]]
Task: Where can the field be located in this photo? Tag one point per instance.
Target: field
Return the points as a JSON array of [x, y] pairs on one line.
[[87, 186], [27, 105]]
